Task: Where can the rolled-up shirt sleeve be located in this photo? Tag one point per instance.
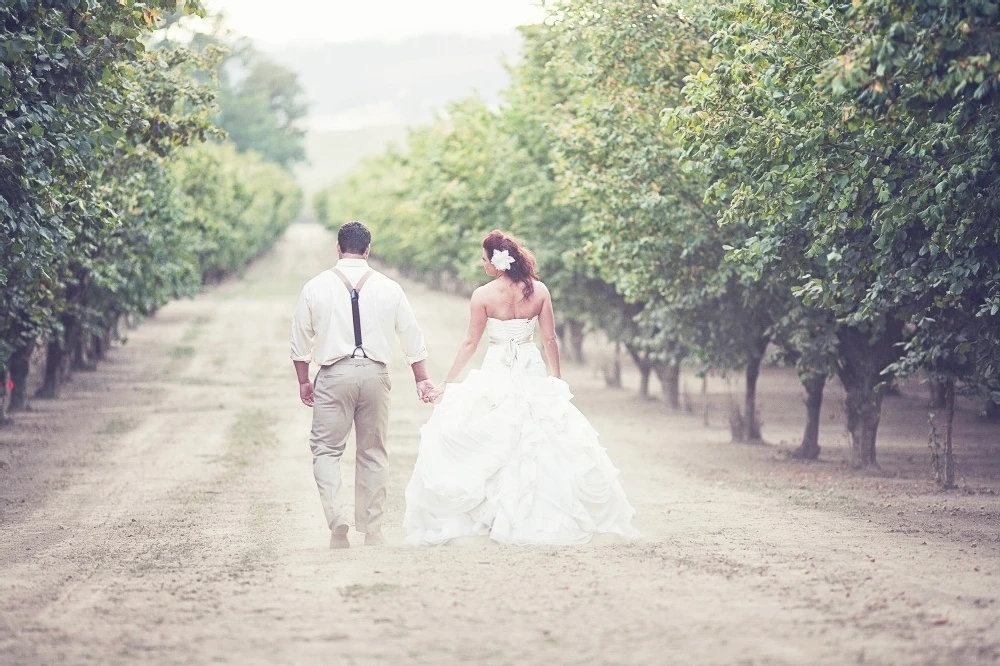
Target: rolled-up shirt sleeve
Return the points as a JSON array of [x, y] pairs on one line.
[[411, 338], [303, 333]]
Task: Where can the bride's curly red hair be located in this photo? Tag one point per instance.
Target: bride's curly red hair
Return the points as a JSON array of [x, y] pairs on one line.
[[523, 268]]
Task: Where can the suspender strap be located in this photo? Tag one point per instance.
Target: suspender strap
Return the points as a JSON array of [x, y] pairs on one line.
[[355, 309]]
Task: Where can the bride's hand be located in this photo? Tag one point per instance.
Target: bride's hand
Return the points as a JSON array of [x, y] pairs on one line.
[[423, 388], [433, 395]]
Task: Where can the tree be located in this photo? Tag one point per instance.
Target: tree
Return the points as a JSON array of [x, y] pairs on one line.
[[927, 74], [66, 83], [705, 180], [857, 142], [795, 166], [262, 107], [553, 223], [96, 224], [651, 230]]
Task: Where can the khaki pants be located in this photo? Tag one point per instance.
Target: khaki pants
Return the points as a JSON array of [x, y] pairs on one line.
[[351, 391]]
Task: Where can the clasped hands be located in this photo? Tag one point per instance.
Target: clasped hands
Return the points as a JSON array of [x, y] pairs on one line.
[[427, 392]]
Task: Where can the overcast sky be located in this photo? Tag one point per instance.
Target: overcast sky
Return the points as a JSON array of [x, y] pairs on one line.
[[323, 21]]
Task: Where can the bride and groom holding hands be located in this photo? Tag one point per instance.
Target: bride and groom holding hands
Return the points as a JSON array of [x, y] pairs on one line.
[[504, 455]]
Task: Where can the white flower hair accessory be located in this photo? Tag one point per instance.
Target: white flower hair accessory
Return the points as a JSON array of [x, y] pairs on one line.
[[502, 260]]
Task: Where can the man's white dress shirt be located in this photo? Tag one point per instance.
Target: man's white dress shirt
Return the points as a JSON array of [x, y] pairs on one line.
[[323, 326]]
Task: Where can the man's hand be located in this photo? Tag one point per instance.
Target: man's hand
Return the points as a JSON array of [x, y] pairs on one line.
[[433, 395], [306, 394], [423, 388]]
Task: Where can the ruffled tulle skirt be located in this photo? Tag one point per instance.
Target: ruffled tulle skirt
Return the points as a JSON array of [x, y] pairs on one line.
[[510, 457]]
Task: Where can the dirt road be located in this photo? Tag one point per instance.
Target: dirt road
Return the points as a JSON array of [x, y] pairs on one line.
[[163, 511]]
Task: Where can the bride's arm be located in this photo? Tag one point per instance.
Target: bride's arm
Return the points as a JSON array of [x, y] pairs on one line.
[[477, 324], [550, 341]]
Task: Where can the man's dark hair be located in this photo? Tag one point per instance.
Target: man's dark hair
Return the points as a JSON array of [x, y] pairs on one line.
[[354, 238]]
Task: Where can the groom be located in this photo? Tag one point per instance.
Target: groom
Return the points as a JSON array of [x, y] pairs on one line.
[[342, 322]]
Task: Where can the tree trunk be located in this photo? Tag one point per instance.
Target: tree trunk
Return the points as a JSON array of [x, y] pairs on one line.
[[752, 423], [3, 396], [669, 374], [81, 359], [704, 399], [574, 329], [103, 342], [949, 459], [991, 410], [95, 349], [809, 449], [864, 408], [645, 369], [53, 371], [20, 366], [937, 394], [860, 365], [613, 368]]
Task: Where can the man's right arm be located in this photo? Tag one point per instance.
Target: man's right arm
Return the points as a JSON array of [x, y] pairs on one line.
[[305, 386], [411, 338]]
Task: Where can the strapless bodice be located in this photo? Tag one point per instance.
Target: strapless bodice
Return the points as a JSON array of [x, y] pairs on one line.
[[507, 331], [512, 346]]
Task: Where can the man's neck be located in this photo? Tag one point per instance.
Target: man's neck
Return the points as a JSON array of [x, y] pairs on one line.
[[354, 256]]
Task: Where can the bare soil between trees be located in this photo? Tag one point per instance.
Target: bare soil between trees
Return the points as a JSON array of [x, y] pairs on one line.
[[163, 511]]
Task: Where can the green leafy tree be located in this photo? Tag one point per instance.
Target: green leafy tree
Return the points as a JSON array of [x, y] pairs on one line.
[[66, 78], [928, 75], [857, 143], [651, 230], [263, 106], [791, 163], [552, 222], [239, 203], [704, 180], [97, 223]]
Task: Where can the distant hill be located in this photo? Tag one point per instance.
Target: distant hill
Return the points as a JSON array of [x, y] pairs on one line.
[[332, 154], [403, 82], [363, 95]]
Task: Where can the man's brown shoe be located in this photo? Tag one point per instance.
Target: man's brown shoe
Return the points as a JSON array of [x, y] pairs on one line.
[[374, 539], [338, 537]]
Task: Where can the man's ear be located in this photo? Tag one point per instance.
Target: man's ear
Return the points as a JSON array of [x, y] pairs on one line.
[[340, 253], [368, 250]]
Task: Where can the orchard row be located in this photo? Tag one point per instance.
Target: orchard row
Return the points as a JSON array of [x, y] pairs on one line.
[[704, 181], [117, 192]]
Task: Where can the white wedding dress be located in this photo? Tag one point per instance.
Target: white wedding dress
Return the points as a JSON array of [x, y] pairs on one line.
[[507, 455]]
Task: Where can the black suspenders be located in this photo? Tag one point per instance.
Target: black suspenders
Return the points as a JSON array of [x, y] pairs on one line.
[[355, 310]]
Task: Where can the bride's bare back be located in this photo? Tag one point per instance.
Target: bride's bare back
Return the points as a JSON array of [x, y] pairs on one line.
[[504, 299]]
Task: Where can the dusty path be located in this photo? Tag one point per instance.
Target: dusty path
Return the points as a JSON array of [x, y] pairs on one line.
[[164, 512]]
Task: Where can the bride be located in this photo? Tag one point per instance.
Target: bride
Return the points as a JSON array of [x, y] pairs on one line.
[[505, 453]]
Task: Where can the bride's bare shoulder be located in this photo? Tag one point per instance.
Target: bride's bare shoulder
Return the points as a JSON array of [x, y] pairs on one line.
[[482, 294], [483, 290]]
